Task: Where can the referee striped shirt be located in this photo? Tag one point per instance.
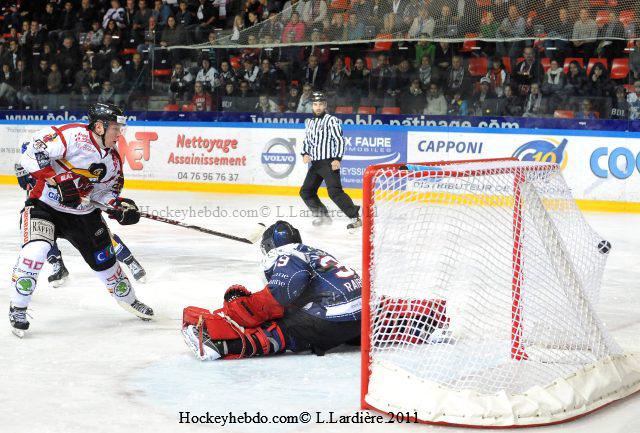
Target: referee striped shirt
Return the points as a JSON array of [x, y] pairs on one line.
[[323, 138]]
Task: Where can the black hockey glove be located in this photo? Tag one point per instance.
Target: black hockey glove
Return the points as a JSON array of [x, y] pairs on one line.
[[25, 180], [126, 212], [67, 190]]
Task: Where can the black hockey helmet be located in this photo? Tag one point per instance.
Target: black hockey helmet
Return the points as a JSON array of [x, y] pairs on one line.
[[279, 234], [318, 97], [107, 113]]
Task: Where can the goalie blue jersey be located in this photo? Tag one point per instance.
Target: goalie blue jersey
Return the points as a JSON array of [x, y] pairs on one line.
[[311, 280]]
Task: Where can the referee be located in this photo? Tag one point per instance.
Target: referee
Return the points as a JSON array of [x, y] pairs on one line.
[[323, 147]]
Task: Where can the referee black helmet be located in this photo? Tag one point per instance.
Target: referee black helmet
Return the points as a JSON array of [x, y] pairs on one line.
[[318, 97]]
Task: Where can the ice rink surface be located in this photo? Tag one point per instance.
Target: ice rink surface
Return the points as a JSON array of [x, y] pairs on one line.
[[87, 365]]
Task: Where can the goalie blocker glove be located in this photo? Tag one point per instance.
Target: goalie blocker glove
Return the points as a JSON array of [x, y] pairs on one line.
[[124, 211]]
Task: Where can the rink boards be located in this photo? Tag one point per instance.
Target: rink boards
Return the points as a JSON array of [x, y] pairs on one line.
[[602, 168]]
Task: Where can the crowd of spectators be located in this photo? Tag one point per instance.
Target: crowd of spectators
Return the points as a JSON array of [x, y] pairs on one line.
[[555, 58]]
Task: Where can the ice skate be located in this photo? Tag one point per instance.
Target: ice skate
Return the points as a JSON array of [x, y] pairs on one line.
[[18, 320], [139, 309], [354, 224], [59, 272]]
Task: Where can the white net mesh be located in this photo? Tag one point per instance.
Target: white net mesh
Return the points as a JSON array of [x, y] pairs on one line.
[[301, 22], [483, 277]]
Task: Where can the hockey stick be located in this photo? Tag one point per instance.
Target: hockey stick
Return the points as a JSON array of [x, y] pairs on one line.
[[255, 235]]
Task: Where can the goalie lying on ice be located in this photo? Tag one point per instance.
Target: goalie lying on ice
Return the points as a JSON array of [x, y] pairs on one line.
[[311, 302]]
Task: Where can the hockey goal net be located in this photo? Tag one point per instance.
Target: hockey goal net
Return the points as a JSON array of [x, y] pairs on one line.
[[481, 279]]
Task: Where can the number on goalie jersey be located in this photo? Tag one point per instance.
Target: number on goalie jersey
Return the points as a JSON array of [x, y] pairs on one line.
[[311, 302], [300, 276]]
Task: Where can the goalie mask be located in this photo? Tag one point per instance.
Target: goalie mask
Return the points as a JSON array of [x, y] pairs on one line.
[[279, 234]]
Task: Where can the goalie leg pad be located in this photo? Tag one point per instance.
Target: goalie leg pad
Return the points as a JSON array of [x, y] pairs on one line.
[[268, 339], [213, 327], [216, 325], [412, 321]]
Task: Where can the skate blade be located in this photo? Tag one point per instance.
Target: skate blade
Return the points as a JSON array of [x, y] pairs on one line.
[[135, 312], [141, 280], [58, 283], [18, 332]]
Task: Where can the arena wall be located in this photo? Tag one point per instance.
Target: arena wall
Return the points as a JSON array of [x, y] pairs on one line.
[[601, 167]]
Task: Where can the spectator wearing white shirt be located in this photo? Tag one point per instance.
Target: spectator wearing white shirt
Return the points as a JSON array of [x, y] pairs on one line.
[[633, 98], [208, 75], [116, 13]]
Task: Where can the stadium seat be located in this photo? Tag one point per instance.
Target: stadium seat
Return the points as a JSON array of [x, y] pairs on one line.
[[383, 45], [483, 3], [546, 63], [568, 60], [340, 4], [171, 107], [390, 110], [602, 18], [347, 62], [161, 72], [563, 114], [369, 62], [619, 68], [188, 107], [344, 109], [470, 43], [627, 17], [128, 51], [478, 66], [366, 110], [593, 61]]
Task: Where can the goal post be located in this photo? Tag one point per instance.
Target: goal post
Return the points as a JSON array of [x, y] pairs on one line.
[[480, 280]]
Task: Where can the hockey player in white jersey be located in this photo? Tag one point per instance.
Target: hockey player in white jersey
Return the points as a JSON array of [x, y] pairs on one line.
[[74, 165]]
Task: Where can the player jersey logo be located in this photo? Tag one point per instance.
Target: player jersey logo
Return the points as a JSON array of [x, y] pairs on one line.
[[49, 137], [98, 170], [122, 289], [104, 255], [25, 285]]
